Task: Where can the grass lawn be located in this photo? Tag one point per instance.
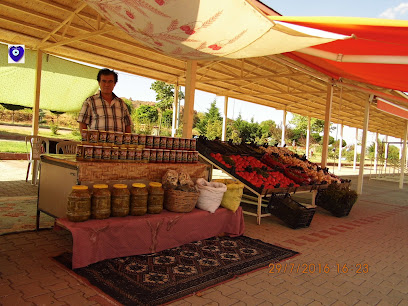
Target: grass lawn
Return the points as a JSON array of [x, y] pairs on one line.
[[11, 146]]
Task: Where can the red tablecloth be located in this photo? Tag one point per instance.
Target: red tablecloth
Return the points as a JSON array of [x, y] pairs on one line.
[[96, 240]]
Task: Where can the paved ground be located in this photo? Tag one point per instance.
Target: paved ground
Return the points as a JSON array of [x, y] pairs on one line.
[[361, 259]]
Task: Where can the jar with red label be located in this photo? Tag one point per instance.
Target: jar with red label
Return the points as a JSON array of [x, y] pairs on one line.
[[122, 153], [172, 156], [153, 156], [93, 136], [169, 143], [159, 156], [195, 157], [118, 138], [166, 156], [80, 152], [190, 157], [134, 141], [84, 136], [163, 142], [146, 155], [102, 138], [106, 153], [176, 143], [179, 156], [110, 138], [97, 153], [182, 144], [149, 141], [127, 137], [185, 157], [115, 154], [131, 154], [193, 144], [142, 140], [156, 142], [187, 145], [88, 152], [138, 155]]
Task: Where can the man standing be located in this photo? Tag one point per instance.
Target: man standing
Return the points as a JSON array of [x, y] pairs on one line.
[[104, 110]]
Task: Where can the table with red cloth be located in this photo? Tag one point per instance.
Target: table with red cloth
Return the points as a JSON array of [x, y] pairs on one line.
[[96, 240]]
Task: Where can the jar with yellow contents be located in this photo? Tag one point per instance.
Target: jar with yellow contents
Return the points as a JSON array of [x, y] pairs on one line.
[[155, 198], [101, 202], [120, 200], [79, 204], [138, 199]]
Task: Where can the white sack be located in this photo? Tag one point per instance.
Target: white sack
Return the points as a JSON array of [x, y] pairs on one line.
[[211, 194]]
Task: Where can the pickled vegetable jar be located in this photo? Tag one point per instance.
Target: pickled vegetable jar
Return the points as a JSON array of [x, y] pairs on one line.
[[101, 202], [138, 199], [155, 198], [120, 200], [79, 204]]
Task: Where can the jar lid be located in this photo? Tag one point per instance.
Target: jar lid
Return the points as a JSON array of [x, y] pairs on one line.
[[100, 186], [80, 187], [120, 186], [138, 185], [155, 184]]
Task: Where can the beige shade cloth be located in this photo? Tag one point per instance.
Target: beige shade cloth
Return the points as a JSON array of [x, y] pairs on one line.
[[194, 29]]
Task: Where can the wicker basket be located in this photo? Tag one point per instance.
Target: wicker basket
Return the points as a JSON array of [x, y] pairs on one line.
[[180, 201]]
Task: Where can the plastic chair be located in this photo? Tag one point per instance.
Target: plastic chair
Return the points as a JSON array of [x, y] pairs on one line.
[[67, 147], [38, 145]]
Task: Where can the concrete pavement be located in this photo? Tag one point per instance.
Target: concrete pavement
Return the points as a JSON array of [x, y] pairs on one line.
[[361, 259]]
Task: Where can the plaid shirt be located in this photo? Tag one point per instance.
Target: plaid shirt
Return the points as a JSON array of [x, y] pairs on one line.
[[99, 115]]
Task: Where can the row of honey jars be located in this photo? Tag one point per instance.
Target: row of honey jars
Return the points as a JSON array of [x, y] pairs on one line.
[[111, 138], [104, 153], [119, 202]]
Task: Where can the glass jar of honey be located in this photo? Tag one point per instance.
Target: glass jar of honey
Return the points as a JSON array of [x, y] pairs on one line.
[[101, 202], [155, 198], [79, 204], [120, 199], [138, 199]]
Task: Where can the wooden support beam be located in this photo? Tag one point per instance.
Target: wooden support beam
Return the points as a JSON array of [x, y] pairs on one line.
[[327, 121], [224, 120], [363, 146], [189, 99]]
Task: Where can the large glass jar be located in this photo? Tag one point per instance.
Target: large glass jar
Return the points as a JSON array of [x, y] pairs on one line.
[[120, 200], [79, 204], [138, 199], [155, 198], [101, 202]]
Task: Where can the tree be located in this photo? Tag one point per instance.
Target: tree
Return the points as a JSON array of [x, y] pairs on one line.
[[212, 116], [167, 117], [300, 129], [248, 131], [165, 94], [147, 113]]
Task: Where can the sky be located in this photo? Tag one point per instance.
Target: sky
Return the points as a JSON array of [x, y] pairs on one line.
[[138, 88]]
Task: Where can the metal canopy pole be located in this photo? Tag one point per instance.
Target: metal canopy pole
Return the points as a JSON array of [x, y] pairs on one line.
[[327, 119], [175, 109], [340, 145], [224, 120], [355, 150], [386, 153], [283, 127], [376, 152], [308, 137], [189, 99], [404, 156], [363, 146]]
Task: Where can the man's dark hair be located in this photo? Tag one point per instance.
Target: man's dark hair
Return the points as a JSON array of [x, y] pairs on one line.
[[106, 71]]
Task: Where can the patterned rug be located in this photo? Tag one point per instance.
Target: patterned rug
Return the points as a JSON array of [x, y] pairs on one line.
[[18, 214], [169, 275]]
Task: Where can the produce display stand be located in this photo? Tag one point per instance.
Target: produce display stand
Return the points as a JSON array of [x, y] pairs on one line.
[[261, 199]]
